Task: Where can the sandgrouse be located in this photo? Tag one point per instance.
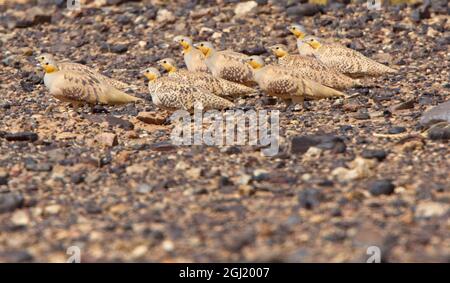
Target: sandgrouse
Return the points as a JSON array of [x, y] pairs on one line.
[[170, 94], [193, 58], [79, 87], [346, 60], [215, 85], [227, 64], [277, 81], [311, 68], [70, 66]]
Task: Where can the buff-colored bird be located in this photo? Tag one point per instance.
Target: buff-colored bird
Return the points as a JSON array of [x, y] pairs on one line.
[[346, 60], [311, 68], [70, 66], [170, 94], [215, 85], [227, 64], [300, 33], [277, 81], [79, 87], [193, 58]]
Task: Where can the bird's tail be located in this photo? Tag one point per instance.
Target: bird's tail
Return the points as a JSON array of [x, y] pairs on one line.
[[116, 96], [235, 89], [314, 90]]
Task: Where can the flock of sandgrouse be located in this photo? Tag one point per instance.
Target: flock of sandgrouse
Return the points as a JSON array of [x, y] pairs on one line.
[[322, 69]]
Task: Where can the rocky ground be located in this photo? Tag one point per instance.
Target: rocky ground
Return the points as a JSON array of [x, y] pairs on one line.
[[350, 173]]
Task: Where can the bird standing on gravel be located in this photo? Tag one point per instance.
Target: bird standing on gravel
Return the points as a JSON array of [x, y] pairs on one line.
[[80, 87], [277, 81], [193, 58], [227, 64], [70, 66], [171, 94], [346, 60], [312, 69], [206, 81]]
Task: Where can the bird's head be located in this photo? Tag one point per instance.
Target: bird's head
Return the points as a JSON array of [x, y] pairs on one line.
[[312, 41], [205, 47], [47, 62], [256, 62], [151, 73], [297, 30], [184, 41], [279, 50], [168, 64]]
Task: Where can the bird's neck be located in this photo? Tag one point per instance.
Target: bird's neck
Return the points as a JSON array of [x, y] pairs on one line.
[[187, 49], [172, 69]]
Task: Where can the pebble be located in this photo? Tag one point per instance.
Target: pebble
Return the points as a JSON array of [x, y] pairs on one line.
[[303, 10], [10, 202], [151, 118], [430, 209], [301, 144], [20, 218], [396, 130], [440, 131], [107, 139], [381, 187], [310, 198], [378, 154], [3, 177], [245, 8], [22, 136], [438, 113], [164, 15]]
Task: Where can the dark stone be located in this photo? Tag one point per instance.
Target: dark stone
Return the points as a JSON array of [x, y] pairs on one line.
[[93, 208], [381, 187], [396, 130], [310, 198], [118, 122], [232, 150], [97, 109], [4, 179], [10, 202], [258, 50], [301, 144], [22, 136], [440, 131], [438, 113], [38, 166], [378, 154], [361, 115], [77, 178], [119, 48], [162, 146], [303, 10], [16, 256]]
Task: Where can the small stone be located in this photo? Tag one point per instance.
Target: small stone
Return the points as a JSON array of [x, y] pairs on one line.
[[119, 48], [439, 131], [260, 175], [144, 189], [231, 149], [10, 201], [310, 198], [22, 136], [52, 209], [151, 118], [396, 130], [20, 218], [430, 209], [165, 15], [245, 8], [362, 115], [3, 177], [301, 144], [409, 104], [436, 114], [194, 173], [303, 10], [378, 154], [168, 245], [381, 187], [107, 139]]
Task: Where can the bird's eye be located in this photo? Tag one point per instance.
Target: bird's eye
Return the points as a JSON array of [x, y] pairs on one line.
[[201, 44], [164, 62], [42, 57], [182, 40], [277, 48], [46, 63]]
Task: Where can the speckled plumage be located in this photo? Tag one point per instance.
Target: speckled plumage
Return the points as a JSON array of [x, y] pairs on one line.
[[82, 88], [215, 85], [312, 69], [169, 93], [277, 81], [70, 66], [229, 65], [345, 60]]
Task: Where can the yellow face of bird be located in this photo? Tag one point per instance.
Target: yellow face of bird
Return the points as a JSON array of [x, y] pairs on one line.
[[168, 64], [47, 63], [184, 41], [297, 30], [151, 74], [205, 47], [313, 42], [279, 50], [255, 62]]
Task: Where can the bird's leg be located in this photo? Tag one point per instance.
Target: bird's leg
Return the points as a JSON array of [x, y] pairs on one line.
[[298, 100]]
